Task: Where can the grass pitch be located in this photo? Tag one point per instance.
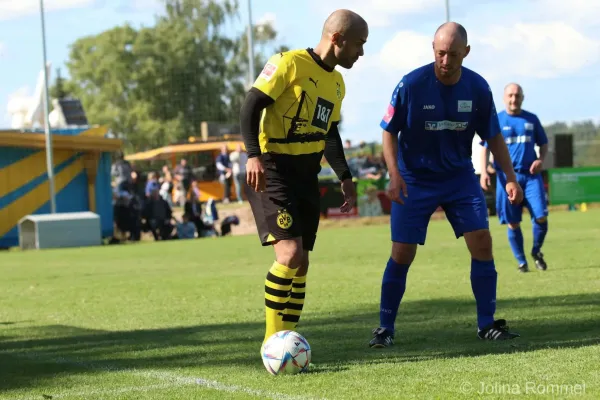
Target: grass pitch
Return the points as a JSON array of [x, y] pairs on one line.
[[184, 320]]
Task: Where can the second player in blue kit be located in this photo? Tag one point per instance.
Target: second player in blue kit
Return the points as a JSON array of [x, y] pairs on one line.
[[428, 132], [522, 131]]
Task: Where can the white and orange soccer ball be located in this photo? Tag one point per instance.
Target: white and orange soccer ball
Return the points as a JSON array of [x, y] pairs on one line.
[[286, 353]]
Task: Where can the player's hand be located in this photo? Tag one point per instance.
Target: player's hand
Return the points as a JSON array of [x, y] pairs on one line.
[[536, 167], [515, 193], [349, 192], [396, 186], [255, 174], [484, 180]]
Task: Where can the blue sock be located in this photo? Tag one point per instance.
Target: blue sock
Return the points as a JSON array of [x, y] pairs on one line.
[[515, 238], [539, 234], [392, 290], [483, 283]]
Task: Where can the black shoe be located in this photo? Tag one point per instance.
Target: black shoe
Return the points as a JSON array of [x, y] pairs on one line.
[[497, 330], [539, 261], [523, 268], [381, 338]]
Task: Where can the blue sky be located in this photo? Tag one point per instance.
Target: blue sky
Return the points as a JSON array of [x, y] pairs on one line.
[[551, 47]]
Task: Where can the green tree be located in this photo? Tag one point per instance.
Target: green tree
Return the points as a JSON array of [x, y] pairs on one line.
[[61, 88], [155, 85], [264, 38]]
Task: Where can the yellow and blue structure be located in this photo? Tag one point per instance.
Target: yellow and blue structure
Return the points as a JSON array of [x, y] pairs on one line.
[[82, 176]]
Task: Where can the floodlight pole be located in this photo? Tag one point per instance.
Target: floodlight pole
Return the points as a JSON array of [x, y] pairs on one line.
[[447, 10], [250, 46], [49, 152]]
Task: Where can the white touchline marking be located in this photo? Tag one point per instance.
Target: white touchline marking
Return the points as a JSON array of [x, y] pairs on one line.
[[173, 379]]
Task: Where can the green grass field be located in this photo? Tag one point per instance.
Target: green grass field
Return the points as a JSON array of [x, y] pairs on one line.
[[184, 320]]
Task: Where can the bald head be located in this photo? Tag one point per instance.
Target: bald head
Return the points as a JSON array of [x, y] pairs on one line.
[[343, 22], [513, 98], [344, 34], [450, 47], [513, 87], [452, 30]]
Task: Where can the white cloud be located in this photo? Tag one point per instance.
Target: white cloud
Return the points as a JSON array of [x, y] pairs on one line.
[[536, 50], [581, 12], [406, 51], [16, 98], [267, 18], [380, 13], [18, 102], [2, 49], [10, 9], [526, 52], [136, 6], [369, 89]]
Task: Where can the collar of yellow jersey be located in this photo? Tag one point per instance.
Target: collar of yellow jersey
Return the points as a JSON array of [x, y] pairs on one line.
[[318, 60]]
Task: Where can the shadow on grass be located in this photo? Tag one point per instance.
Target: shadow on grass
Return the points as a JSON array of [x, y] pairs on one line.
[[14, 322], [427, 330]]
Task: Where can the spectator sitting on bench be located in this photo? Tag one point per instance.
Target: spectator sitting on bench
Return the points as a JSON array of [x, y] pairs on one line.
[[126, 214], [186, 228], [193, 208]]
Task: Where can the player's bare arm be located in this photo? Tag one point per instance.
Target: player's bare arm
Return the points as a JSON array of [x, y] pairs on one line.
[[250, 114], [484, 178], [497, 146], [334, 154], [537, 165], [390, 155]]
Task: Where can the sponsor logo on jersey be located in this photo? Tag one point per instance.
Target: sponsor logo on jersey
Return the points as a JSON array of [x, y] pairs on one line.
[[322, 114], [445, 125], [268, 71], [518, 139], [389, 114], [528, 126], [429, 107], [465, 106]]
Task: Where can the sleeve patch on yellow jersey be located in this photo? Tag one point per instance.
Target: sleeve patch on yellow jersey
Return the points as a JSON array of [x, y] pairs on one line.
[[268, 71]]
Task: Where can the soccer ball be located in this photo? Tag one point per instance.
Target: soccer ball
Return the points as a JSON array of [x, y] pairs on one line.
[[286, 353]]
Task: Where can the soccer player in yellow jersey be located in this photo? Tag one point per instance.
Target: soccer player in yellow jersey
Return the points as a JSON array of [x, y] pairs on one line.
[[289, 120]]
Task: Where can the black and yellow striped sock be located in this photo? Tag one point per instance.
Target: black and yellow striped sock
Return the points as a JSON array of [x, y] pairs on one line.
[[278, 286], [295, 304]]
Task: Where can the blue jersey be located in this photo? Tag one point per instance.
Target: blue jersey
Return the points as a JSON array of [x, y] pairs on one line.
[[437, 122], [521, 133]]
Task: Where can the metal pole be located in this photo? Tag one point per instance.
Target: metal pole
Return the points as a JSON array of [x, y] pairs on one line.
[[447, 10], [251, 71], [49, 152]]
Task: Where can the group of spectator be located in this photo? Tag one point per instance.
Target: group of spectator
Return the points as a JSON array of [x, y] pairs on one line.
[[144, 203]]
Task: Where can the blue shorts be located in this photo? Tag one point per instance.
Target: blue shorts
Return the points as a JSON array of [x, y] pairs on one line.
[[534, 198], [460, 197]]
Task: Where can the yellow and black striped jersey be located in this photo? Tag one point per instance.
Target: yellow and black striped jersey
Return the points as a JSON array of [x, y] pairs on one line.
[[307, 98]]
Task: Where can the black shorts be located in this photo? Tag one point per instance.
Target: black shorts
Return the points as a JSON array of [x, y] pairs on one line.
[[289, 208]]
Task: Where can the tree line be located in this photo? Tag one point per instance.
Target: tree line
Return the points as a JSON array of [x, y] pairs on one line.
[[153, 86]]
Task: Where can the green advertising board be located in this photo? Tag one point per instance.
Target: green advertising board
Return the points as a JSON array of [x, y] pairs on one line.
[[574, 185]]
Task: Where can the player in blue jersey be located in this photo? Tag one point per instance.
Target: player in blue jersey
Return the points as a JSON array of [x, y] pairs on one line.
[[521, 130], [437, 109]]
